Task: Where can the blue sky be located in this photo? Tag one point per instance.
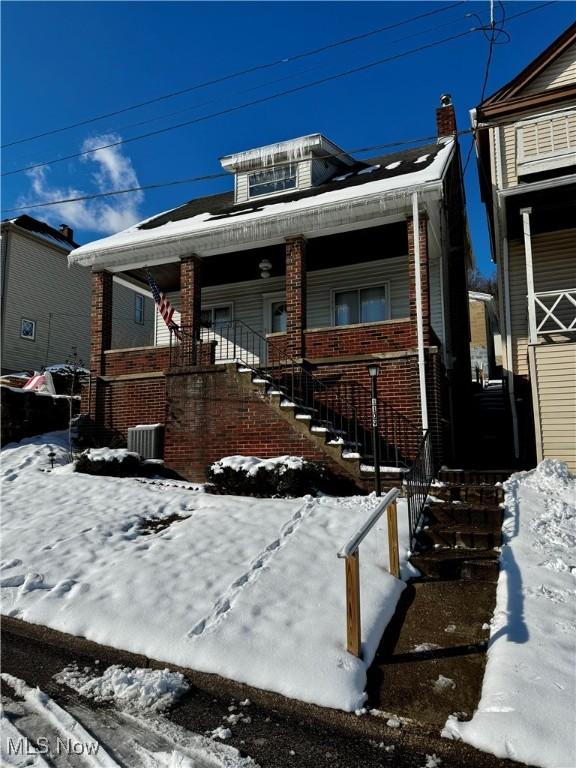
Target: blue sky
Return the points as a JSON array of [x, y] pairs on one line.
[[63, 62]]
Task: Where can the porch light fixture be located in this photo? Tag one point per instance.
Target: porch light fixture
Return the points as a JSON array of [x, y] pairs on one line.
[[265, 266], [373, 371]]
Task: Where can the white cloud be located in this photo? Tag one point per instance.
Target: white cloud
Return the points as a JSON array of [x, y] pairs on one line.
[[112, 170]]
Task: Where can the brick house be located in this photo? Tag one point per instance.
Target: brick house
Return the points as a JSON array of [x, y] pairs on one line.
[[286, 289], [526, 157]]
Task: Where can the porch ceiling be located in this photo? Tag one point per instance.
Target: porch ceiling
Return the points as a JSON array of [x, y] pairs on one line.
[[552, 209], [354, 247]]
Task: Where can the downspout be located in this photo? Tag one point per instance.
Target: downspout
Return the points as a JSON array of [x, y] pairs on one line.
[[419, 317]]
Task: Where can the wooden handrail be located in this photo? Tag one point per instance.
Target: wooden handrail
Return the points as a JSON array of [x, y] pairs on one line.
[[350, 553]]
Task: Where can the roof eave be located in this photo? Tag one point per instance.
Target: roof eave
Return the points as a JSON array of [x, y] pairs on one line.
[[255, 233]]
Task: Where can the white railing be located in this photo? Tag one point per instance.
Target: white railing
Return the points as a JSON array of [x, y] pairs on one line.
[[350, 554], [555, 312]]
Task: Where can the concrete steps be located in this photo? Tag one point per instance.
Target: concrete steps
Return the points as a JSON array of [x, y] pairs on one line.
[[430, 662], [334, 442]]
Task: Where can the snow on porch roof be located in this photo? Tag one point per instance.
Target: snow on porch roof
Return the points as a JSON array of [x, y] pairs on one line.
[[205, 225]]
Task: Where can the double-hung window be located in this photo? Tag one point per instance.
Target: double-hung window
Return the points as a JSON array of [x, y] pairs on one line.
[[216, 316], [361, 305], [139, 308], [272, 180]]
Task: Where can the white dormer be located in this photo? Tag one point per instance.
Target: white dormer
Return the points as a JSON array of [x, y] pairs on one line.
[[284, 167]]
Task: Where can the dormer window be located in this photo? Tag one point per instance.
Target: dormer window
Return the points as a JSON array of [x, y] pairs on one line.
[[272, 180], [288, 165]]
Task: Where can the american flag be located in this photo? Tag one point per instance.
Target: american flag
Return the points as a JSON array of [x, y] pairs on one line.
[[164, 307]]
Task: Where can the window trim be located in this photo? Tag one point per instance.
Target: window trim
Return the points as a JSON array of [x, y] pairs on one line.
[[139, 299], [296, 186], [267, 300], [28, 320], [344, 289]]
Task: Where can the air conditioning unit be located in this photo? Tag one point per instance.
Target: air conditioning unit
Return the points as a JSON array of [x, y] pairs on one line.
[[147, 440]]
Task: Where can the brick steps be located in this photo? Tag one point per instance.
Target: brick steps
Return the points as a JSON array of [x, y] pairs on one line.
[[461, 536], [484, 495], [455, 564], [465, 514], [474, 477]]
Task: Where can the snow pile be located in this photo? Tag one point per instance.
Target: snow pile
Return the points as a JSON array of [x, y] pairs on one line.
[[133, 689], [528, 706], [251, 464], [110, 454], [250, 589]]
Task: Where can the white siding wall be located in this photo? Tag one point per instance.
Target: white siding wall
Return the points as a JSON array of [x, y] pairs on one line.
[[562, 131], [554, 257], [126, 332], [561, 72], [248, 297], [556, 392], [39, 282]]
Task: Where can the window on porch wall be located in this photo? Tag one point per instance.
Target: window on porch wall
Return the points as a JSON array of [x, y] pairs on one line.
[[361, 305]]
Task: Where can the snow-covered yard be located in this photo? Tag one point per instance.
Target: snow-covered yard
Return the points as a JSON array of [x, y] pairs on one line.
[[250, 589], [528, 707]]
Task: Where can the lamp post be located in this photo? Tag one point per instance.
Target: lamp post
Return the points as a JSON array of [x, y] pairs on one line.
[[373, 371]]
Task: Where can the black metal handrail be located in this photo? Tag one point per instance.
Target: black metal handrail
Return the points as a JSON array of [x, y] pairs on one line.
[[341, 408], [418, 480]]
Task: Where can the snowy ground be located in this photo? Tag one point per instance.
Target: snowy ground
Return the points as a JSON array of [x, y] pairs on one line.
[[528, 707], [250, 589], [36, 732]]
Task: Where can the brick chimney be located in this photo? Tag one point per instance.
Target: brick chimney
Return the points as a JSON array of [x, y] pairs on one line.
[[66, 232], [445, 117]]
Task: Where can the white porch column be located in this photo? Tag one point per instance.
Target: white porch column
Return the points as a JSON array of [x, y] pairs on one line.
[[525, 213]]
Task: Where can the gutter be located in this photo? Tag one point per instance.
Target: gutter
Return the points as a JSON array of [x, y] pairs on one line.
[[253, 233]]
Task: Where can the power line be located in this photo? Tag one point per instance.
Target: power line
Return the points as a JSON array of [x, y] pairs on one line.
[[239, 73], [271, 97], [221, 175], [252, 103], [291, 76]]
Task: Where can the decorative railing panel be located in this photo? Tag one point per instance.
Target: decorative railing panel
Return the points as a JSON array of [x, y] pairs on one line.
[[555, 312]]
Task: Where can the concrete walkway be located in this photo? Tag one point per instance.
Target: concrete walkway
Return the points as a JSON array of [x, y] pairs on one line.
[[282, 732]]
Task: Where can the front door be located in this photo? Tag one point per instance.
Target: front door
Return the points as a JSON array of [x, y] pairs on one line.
[[275, 314]]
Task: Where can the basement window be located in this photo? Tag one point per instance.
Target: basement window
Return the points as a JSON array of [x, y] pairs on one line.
[[272, 180], [361, 305]]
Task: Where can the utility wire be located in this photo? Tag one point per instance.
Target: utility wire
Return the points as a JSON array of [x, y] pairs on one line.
[[239, 73], [290, 76], [244, 105], [271, 97], [224, 174]]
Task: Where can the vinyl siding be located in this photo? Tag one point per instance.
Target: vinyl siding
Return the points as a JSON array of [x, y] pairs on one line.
[[248, 297], [40, 286], [554, 258], [436, 299], [550, 140], [556, 391], [560, 72], [126, 332]]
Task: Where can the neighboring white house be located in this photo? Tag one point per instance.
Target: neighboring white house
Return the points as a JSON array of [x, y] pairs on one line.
[[46, 303], [527, 158]]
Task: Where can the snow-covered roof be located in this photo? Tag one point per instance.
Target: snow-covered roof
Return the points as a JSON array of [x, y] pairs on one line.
[[373, 190], [291, 151], [42, 230], [478, 296]]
